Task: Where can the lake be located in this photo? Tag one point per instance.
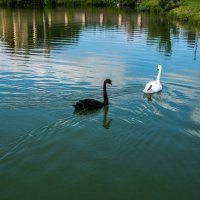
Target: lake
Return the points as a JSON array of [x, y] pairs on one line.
[[139, 147]]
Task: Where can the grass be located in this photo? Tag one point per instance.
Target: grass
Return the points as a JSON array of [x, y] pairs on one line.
[[189, 12], [157, 5]]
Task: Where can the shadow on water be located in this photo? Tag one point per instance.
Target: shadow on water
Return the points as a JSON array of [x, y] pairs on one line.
[[106, 123]]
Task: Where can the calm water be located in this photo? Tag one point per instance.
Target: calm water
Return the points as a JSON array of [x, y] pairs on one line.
[[138, 147]]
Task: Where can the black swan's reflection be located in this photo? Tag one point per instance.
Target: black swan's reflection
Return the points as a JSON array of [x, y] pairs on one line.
[[106, 123]]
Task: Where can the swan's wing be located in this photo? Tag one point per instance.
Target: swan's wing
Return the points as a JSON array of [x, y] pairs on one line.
[[87, 104], [152, 87], [149, 88]]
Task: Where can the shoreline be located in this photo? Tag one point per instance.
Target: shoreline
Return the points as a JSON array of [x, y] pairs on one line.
[[184, 11]]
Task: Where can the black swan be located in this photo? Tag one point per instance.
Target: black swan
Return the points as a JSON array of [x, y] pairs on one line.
[[91, 104]]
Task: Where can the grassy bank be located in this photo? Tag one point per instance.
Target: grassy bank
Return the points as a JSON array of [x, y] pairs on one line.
[[158, 5], [185, 11], [189, 12]]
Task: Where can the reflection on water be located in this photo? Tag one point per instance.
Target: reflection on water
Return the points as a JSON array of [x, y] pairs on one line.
[[106, 122], [44, 28], [138, 145], [148, 96], [151, 96]]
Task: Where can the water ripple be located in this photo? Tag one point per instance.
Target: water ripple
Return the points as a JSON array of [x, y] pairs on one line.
[[51, 59]]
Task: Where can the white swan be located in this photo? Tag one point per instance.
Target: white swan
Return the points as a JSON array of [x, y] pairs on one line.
[[154, 86]]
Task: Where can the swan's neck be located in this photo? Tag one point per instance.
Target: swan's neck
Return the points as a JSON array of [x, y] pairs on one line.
[[105, 96], [159, 74]]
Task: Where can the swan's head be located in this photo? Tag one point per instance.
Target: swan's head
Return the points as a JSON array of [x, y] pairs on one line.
[[159, 67], [108, 81]]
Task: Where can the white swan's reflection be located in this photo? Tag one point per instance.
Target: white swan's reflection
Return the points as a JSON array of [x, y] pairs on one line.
[[149, 97]]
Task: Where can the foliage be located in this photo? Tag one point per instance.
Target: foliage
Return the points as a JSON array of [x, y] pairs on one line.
[[74, 2], [149, 5], [158, 5], [189, 14], [169, 4], [20, 2]]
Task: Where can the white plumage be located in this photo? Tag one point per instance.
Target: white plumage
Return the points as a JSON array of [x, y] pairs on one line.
[[154, 86]]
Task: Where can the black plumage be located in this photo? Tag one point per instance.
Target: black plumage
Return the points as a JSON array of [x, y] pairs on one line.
[[91, 104]]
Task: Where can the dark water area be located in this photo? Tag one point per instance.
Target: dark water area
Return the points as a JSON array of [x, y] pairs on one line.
[[139, 147]]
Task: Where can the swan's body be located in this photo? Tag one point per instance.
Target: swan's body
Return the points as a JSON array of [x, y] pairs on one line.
[[88, 104], [154, 86], [91, 104]]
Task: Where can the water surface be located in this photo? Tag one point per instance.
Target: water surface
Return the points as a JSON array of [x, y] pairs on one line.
[[139, 147]]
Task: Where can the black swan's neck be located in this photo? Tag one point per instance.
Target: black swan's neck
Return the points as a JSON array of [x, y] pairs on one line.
[[105, 96]]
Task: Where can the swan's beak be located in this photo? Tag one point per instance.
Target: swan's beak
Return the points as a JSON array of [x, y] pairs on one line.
[[111, 84]]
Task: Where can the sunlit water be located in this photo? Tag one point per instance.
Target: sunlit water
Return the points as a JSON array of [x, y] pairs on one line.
[[137, 148]]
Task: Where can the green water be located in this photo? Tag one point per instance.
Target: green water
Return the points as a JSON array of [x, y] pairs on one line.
[[136, 148]]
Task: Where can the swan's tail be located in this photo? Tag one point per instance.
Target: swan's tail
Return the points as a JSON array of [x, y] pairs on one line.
[[79, 105], [74, 106]]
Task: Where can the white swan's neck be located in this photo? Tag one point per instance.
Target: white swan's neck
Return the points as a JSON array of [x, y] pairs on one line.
[[159, 74]]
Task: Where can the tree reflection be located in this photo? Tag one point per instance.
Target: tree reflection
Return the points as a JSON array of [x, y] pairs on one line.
[[159, 29], [48, 28], [36, 29]]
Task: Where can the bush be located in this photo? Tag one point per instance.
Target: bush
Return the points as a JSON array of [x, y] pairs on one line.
[[149, 5], [188, 14], [169, 4]]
